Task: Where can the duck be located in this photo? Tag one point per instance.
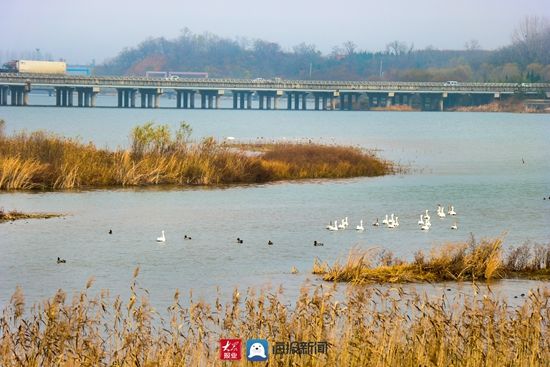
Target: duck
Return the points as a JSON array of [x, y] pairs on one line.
[[162, 238], [315, 243], [360, 226], [61, 261], [454, 226], [269, 242], [239, 240], [376, 224], [110, 231]]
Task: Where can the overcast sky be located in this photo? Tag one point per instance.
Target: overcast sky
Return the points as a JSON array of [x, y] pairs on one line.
[[80, 31]]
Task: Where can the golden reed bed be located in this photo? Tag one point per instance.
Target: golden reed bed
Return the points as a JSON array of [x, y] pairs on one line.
[[41, 160], [366, 327], [468, 261]]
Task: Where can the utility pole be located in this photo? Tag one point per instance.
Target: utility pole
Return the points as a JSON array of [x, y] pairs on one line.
[[310, 67]]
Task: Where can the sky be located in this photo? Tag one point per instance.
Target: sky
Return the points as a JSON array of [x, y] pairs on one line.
[[81, 31]]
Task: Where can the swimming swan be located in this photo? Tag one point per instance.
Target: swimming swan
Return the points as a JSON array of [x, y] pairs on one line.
[[161, 238]]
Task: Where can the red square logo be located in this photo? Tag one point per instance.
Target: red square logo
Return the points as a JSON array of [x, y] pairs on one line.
[[230, 349]]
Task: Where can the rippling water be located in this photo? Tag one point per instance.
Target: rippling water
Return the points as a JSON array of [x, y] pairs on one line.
[[470, 160]]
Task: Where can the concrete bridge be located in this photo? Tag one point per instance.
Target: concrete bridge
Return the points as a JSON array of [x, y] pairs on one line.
[[261, 93]]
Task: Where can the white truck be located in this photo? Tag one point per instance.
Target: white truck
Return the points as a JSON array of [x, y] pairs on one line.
[[36, 67]]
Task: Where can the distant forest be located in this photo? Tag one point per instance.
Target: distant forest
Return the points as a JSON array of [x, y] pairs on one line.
[[525, 59]]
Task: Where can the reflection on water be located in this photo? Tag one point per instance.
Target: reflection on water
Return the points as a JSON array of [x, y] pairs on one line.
[[473, 161]]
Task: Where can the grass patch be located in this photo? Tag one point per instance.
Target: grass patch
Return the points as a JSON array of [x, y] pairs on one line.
[[471, 261], [6, 216], [41, 160], [370, 327]]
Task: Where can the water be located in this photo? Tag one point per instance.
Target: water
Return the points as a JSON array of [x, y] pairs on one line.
[[470, 160]]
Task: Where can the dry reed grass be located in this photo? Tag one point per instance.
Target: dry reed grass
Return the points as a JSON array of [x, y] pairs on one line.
[[6, 216], [370, 327], [42, 160], [472, 261]]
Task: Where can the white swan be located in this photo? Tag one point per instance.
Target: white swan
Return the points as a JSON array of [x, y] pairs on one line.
[[452, 211], [440, 211], [396, 222], [426, 216], [345, 222], [333, 227], [421, 221], [426, 226], [385, 221], [360, 226], [454, 226], [342, 224], [161, 238]]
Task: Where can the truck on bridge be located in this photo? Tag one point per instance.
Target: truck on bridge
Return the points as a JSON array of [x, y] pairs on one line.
[[35, 67]]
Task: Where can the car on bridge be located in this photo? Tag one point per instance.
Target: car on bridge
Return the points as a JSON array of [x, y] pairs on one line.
[[451, 83]]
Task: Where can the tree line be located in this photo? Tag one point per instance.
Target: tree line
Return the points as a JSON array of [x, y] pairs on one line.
[[525, 59]]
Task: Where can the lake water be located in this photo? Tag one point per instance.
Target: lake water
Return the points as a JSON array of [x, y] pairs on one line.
[[471, 160]]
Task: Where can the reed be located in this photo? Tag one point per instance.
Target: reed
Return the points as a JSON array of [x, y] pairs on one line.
[[12, 215], [469, 261], [41, 160], [365, 327]]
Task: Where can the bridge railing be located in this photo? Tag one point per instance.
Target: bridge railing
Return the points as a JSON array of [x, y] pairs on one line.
[[269, 84]]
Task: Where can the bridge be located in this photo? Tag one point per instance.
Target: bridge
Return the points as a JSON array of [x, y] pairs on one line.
[[268, 94]]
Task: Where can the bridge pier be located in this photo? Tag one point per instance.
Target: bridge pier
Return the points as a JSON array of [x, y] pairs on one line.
[[127, 97], [241, 101], [64, 96], [321, 100], [150, 97], [346, 101], [185, 99], [265, 98], [19, 95], [3, 94], [86, 96]]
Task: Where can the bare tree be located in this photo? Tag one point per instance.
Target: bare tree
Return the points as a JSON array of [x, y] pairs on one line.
[[472, 45], [530, 29], [532, 38], [396, 48], [349, 47]]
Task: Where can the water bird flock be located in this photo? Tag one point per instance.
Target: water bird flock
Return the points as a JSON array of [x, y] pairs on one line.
[[392, 221]]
